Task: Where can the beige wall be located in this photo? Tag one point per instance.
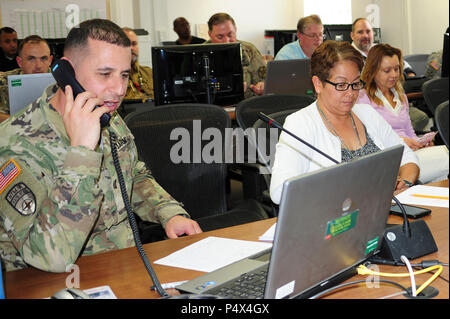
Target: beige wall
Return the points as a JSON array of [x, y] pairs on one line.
[[428, 22], [415, 26]]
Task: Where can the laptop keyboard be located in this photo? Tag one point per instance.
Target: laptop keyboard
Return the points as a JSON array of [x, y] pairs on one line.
[[248, 286]]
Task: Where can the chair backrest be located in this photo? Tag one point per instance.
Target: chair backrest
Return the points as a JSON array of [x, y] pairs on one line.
[[441, 121], [418, 62], [435, 92], [248, 109], [130, 106], [170, 141], [271, 139]]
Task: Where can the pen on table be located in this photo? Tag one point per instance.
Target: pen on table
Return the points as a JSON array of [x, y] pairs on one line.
[[430, 196]]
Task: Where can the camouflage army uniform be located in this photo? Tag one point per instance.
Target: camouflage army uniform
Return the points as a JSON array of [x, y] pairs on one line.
[[4, 95], [140, 84], [434, 65], [65, 201], [253, 65]]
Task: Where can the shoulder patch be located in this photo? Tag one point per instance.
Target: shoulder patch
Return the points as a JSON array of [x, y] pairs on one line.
[[22, 199], [8, 174]]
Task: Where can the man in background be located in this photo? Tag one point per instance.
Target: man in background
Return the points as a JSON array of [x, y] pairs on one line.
[[362, 37], [222, 29], [310, 36], [140, 83], [182, 27], [8, 52], [34, 57]]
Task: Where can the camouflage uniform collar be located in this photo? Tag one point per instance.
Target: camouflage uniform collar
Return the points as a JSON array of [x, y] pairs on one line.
[[51, 116], [17, 71], [135, 67]]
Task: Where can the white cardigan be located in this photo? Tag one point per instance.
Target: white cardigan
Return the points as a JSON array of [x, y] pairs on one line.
[[293, 158]]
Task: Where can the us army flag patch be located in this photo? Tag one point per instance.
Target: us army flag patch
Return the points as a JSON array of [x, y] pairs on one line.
[[8, 173]]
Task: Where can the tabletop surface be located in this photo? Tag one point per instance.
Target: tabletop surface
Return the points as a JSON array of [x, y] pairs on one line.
[[124, 271]]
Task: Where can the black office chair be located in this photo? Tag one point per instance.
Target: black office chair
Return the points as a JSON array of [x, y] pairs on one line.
[[248, 109], [435, 92], [246, 115], [271, 135], [267, 152], [134, 105], [441, 121], [170, 141], [418, 62]]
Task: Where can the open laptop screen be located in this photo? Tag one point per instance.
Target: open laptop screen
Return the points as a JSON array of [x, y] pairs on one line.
[[24, 89]]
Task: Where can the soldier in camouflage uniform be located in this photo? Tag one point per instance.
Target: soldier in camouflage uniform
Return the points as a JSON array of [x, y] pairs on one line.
[[59, 192], [434, 65], [140, 84], [4, 93], [34, 57], [222, 29]]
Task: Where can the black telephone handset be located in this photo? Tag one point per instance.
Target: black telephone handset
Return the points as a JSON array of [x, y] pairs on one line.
[[64, 74]]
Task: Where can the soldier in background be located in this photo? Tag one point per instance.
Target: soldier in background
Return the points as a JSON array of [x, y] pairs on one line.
[[182, 27], [434, 65], [34, 57], [8, 49], [59, 191], [222, 29], [140, 83]]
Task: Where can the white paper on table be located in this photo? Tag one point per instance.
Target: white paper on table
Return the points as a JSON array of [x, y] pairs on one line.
[[212, 253], [269, 235], [428, 196]]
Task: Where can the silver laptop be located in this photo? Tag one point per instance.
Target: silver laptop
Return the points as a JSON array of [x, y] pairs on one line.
[[329, 222], [24, 89], [288, 77]]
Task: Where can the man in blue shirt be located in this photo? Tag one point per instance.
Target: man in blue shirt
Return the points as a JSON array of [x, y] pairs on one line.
[[310, 36]]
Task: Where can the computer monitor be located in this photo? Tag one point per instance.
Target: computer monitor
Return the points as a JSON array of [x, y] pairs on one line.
[[56, 47], [445, 57], [281, 38], [338, 32], [202, 73]]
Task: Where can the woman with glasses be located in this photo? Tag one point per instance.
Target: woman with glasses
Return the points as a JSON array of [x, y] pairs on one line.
[[383, 74], [334, 123]]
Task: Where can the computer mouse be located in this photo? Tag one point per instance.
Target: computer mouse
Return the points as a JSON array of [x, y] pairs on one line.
[[70, 293]]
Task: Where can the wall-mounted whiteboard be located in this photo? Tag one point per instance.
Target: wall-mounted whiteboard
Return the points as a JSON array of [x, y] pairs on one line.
[[49, 18]]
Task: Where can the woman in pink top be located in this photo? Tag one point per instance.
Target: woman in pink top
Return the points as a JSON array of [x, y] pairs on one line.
[[383, 74]]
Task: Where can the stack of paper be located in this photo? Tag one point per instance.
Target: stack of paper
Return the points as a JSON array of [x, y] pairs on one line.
[[422, 195], [269, 234], [212, 253]]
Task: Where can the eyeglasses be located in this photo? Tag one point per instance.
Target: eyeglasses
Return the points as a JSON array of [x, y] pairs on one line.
[[356, 86], [315, 35]]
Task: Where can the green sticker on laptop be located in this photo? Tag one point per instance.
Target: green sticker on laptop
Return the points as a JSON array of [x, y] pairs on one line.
[[341, 224], [371, 245], [17, 82]]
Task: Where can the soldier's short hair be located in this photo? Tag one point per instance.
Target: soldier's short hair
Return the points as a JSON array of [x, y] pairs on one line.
[[219, 18], [95, 29], [304, 22], [31, 39], [7, 30]]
